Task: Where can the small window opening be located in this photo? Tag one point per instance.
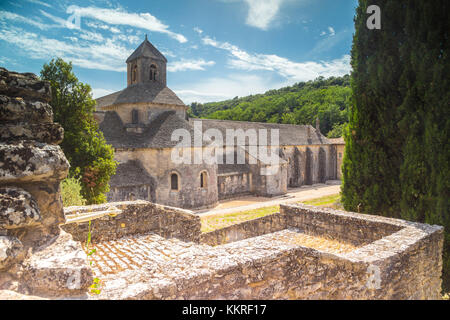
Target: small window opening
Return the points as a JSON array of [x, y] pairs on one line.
[[134, 116], [134, 74], [153, 72], [174, 181], [203, 182]]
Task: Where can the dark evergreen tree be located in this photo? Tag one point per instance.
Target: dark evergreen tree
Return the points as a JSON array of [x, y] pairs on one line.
[[373, 146], [397, 150], [424, 174]]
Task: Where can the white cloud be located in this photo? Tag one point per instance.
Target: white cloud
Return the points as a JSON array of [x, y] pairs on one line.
[[60, 21], [102, 26], [295, 71], [108, 55], [184, 65], [6, 15], [332, 32], [120, 17], [99, 92], [214, 89], [40, 2], [326, 44], [261, 13], [198, 30]]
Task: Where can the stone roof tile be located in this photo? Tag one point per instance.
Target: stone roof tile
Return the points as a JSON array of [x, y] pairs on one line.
[[138, 93]]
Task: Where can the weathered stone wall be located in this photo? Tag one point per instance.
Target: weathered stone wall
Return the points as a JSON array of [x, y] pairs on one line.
[[235, 184], [338, 225], [35, 256], [137, 217], [130, 193], [247, 229], [397, 260], [405, 263]]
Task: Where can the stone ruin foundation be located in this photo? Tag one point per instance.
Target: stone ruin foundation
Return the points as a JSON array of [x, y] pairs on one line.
[[149, 251]]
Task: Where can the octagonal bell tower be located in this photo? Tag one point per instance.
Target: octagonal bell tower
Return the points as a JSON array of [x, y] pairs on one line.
[[146, 65]]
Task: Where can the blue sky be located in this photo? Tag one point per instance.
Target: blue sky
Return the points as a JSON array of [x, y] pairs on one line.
[[217, 49]]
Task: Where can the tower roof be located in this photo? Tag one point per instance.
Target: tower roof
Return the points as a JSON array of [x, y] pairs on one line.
[[147, 50]]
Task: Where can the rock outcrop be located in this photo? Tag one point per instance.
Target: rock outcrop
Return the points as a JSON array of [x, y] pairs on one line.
[[36, 256]]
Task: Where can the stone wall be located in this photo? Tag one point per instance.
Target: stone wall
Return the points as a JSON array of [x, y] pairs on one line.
[[158, 163], [235, 184], [137, 217], [403, 260], [244, 230], [35, 256], [339, 225]]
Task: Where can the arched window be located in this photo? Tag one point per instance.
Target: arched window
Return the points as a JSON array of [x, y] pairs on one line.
[[134, 74], [134, 116], [153, 72], [203, 179], [174, 181]]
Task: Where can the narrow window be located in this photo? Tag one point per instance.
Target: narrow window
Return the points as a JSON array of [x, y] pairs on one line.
[[134, 116], [203, 177], [174, 181], [134, 74], [152, 72]]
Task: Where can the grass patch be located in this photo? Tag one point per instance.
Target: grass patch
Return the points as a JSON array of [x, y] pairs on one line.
[[211, 223], [333, 201]]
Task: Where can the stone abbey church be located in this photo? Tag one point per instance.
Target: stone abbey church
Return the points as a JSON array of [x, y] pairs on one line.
[[139, 120]]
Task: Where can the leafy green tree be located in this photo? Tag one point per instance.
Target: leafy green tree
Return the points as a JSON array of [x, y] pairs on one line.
[[397, 152], [90, 158]]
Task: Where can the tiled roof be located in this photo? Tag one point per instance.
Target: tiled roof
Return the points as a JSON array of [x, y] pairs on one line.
[[157, 134], [288, 134], [130, 173], [144, 92], [147, 50]]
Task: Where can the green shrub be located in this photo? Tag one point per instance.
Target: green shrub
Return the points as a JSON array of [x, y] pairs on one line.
[[71, 192]]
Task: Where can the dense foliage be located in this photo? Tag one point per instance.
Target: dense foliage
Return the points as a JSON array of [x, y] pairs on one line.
[[91, 159], [397, 152], [71, 192], [327, 99]]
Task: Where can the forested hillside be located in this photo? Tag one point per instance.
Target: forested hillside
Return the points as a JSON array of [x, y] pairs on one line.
[[300, 103]]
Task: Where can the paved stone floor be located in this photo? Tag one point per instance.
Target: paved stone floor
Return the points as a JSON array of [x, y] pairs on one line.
[[133, 264], [154, 253]]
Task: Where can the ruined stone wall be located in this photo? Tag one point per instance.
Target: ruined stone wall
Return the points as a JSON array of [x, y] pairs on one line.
[[35, 256], [137, 217], [403, 260], [343, 227], [376, 257]]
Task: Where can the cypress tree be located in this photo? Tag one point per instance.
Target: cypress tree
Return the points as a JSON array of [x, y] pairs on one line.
[[397, 152], [424, 173], [372, 159]]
